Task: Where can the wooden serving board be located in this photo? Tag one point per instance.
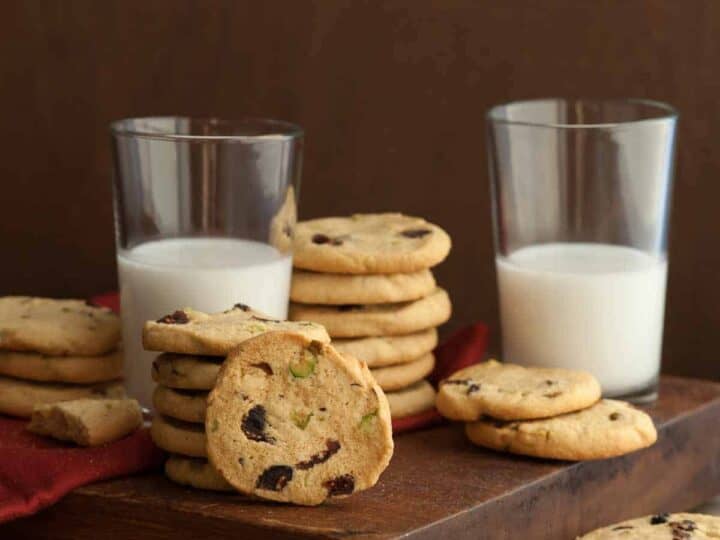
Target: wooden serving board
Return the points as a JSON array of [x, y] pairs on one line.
[[437, 486]]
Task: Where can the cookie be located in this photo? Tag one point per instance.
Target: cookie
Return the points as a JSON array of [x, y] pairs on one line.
[[186, 371], [377, 319], [411, 400], [195, 472], [178, 437], [283, 223], [187, 405], [388, 350], [70, 369], [403, 375], [369, 244], [661, 527], [512, 392], [292, 420], [340, 289], [193, 332], [607, 429], [87, 422], [18, 397], [57, 327]]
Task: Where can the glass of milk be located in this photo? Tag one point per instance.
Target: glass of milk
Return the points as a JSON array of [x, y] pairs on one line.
[[581, 198], [204, 212]]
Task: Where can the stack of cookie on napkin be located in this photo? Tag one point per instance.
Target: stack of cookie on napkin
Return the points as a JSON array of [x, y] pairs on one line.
[[56, 350], [542, 412], [367, 279], [194, 345]]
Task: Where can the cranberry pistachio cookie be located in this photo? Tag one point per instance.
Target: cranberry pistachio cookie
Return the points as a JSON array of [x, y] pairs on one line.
[[187, 372], [348, 321], [193, 332], [512, 392], [403, 375], [382, 351], [195, 472], [18, 397], [661, 527], [607, 429], [178, 437], [69, 369], [87, 422], [388, 243], [188, 405], [340, 289], [57, 327], [411, 400], [290, 419]]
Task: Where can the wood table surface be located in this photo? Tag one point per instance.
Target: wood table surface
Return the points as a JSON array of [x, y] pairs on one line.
[[437, 486]]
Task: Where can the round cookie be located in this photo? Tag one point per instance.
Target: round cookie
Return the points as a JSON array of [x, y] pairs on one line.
[[411, 400], [389, 350], [607, 429], [512, 392], [195, 472], [403, 375], [187, 331], [339, 289], [292, 420], [377, 319], [186, 371], [18, 397], [70, 369], [661, 527], [178, 437], [57, 327], [187, 405], [369, 244]]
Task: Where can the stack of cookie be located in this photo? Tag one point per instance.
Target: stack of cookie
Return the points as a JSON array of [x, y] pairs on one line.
[[367, 279], [56, 350], [194, 345], [542, 412]]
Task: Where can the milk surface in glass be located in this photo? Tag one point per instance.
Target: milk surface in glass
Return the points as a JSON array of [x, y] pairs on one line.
[[595, 307], [208, 274]]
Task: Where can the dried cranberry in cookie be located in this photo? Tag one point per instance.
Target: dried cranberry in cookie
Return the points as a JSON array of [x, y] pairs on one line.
[[369, 244], [308, 425]]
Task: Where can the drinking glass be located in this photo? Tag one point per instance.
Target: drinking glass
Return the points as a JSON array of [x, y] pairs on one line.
[[204, 213], [581, 195]]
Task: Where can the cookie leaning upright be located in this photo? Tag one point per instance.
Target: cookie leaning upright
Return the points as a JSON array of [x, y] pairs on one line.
[[290, 419], [369, 244]]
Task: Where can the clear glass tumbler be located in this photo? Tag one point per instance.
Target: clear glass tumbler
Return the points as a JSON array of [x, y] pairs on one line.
[[204, 213], [581, 198]]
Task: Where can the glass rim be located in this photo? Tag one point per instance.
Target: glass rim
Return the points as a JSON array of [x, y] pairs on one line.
[[664, 112], [277, 130]]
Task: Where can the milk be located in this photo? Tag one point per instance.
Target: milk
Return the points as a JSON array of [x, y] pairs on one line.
[[594, 307], [208, 274]]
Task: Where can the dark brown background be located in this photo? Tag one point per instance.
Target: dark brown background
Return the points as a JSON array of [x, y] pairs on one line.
[[392, 96]]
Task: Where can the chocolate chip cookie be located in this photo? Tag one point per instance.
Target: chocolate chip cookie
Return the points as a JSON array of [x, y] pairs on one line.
[[383, 351], [186, 371], [512, 392], [607, 429], [377, 319], [292, 420], [341, 289], [661, 527], [403, 375], [187, 405], [69, 369], [369, 244], [411, 400], [195, 472]]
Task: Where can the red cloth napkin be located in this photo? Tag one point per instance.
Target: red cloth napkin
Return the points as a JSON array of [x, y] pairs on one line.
[[36, 471]]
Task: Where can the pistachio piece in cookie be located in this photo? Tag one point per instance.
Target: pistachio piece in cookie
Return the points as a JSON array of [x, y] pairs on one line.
[[512, 392], [309, 425]]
